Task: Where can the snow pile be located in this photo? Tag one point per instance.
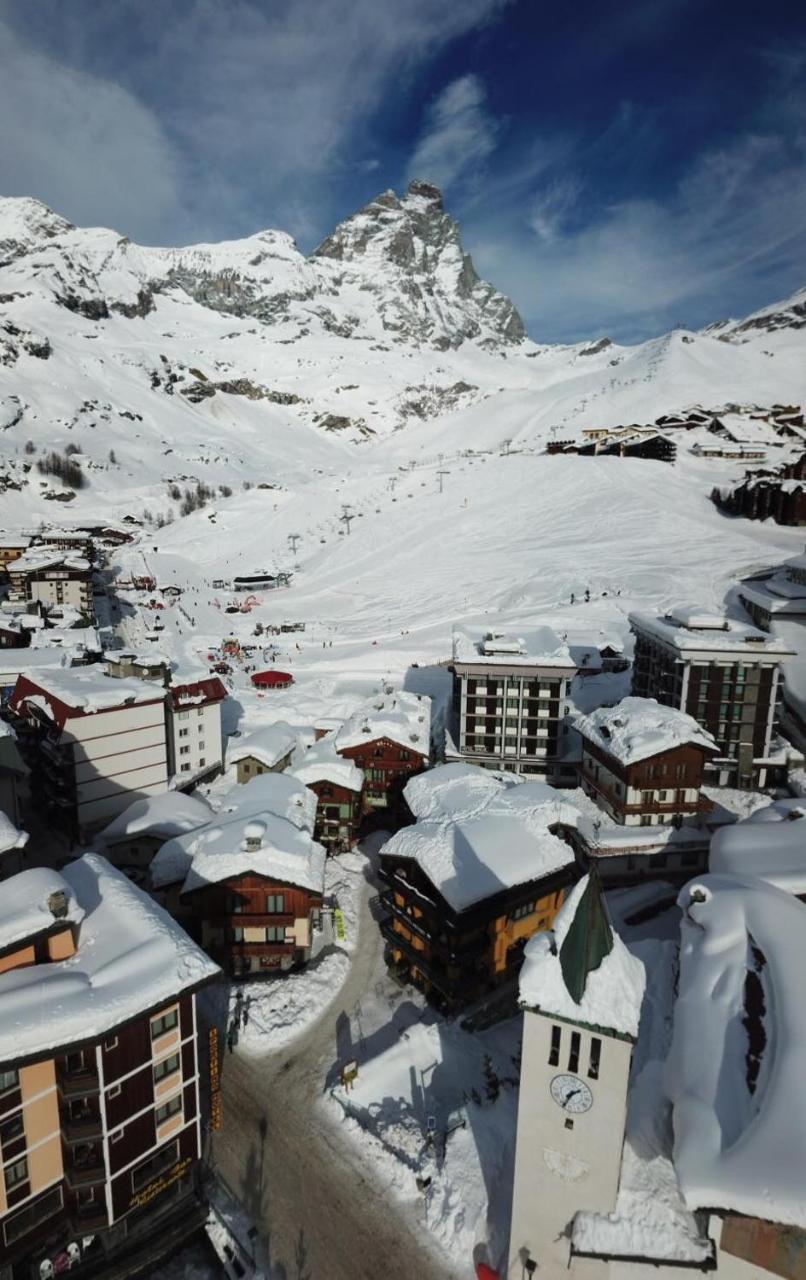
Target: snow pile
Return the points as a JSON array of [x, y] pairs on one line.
[[736, 1069], [162, 816], [465, 1084], [403, 718], [482, 833], [771, 844], [10, 837], [322, 763], [613, 992], [638, 728], [131, 957]]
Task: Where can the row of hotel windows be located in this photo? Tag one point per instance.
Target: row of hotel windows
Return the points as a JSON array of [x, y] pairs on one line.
[[266, 933], [531, 688]]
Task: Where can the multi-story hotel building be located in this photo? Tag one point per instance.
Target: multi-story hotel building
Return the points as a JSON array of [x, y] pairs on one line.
[[483, 869], [195, 744], [93, 743], [510, 701], [52, 578], [101, 1056], [724, 674]]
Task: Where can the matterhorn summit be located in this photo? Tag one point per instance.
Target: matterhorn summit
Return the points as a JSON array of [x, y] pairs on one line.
[[409, 254]]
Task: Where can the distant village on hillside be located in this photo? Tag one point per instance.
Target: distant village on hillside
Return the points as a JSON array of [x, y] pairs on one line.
[[594, 839]]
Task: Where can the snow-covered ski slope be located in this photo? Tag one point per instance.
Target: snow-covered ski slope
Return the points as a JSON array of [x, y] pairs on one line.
[[354, 377]]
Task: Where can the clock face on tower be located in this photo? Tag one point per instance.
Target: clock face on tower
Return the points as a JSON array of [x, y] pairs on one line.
[[572, 1094]]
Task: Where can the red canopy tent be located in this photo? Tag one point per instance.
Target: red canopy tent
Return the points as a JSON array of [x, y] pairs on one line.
[[272, 679]]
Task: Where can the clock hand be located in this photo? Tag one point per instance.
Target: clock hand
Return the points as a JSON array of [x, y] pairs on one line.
[[571, 1095]]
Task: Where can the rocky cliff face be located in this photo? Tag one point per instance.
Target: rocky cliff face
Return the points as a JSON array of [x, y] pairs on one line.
[[395, 271], [409, 254]]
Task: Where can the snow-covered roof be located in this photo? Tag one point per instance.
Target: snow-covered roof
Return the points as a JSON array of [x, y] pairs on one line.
[[24, 910], [80, 690], [279, 794], [770, 844], [638, 728], [479, 833], [692, 630], [171, 814], [541, 648], [131, 958], [322, 763], [37, 558], [404, 718], [736, 1149], [777, 595], [270, 744], [260, 843], [613, 993]]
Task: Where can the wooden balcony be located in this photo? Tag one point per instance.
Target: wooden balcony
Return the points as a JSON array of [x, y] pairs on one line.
[[77, 1084]]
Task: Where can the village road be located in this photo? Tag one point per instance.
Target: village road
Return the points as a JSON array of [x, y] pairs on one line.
[[322, 1210]]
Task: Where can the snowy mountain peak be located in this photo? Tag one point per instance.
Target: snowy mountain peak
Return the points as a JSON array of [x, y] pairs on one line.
[[789, 314], [409, 253], [25, 224]]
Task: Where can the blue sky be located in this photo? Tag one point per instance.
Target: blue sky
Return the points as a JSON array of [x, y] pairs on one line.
[[616, 168]]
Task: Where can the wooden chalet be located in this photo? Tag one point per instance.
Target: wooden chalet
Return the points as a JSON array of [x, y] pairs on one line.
[[389, 739], [471, 882]]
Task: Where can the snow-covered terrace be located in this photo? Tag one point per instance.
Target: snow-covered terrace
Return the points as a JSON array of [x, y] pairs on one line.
[[542, 648], [693, 630], [131, 957]]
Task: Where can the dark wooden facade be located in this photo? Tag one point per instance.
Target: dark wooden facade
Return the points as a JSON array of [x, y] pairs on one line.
[[338, 815], [662, 779], [387, 768], [248, 930], [763, 494], [457, 957]]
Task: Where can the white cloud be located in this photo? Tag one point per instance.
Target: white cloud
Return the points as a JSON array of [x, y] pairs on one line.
[[83, 144], [460, 134], [729, 238], [260, 109]]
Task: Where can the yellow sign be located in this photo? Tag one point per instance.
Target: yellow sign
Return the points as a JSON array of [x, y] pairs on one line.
[[341, 928], [215, 1081], [156, 1188]]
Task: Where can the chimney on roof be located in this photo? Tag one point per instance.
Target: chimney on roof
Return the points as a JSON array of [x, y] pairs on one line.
[[57, 904]]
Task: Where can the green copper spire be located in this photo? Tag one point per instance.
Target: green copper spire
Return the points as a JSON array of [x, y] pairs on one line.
[[588, 940]]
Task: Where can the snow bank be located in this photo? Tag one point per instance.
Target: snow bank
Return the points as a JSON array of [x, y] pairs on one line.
[[736, 1148], [164, 816]]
